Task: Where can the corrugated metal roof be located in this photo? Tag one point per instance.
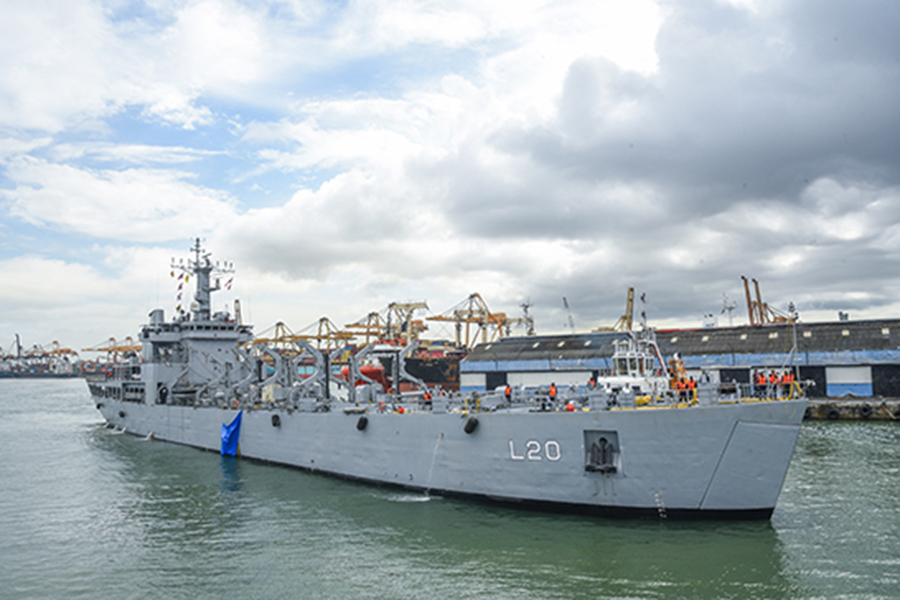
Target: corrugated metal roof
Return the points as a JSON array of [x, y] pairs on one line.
[[769, 339], [830, 337], [572, 346]]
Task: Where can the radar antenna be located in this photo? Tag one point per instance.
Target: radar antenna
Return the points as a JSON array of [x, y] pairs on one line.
[[203, 270]]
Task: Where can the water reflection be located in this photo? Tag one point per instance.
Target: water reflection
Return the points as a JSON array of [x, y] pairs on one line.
[[231, 477], [560, 556]]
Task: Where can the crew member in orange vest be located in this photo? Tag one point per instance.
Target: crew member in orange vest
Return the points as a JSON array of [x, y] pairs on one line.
[[786, 380], [552, 392], [760, 382], [508, 392], [772, 388]]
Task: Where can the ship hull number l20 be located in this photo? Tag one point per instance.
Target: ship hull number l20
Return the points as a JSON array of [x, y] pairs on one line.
[[534, 450]]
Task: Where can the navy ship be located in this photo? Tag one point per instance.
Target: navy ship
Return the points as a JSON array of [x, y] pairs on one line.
[[624, 444]]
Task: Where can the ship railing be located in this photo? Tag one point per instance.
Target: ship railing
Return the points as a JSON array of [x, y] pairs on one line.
[[751, 392], [122, 372]]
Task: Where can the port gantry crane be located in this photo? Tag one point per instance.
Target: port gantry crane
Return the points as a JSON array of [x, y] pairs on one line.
[[57, 350], [372, 326], [399, 322], [394, 322], [626, 321], [115, 349], [37, 357], [473, 313], [760, 312], [326, 334]]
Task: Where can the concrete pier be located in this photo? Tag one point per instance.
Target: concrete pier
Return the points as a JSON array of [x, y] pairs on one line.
[[871, 409]]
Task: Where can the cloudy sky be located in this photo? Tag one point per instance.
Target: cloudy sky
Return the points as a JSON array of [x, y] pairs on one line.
[[347, 154]]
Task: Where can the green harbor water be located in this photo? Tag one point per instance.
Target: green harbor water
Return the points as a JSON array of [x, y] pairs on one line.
[[88, 513]]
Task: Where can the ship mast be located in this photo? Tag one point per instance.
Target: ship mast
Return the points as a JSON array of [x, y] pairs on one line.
[[202, 269]]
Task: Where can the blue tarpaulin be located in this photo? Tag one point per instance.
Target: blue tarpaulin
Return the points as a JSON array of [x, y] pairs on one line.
[[231, 433]]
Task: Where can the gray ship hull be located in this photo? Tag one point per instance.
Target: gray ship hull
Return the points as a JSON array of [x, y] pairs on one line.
[[717, 461]]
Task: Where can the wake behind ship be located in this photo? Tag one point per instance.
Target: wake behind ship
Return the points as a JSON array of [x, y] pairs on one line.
[[626, 444]]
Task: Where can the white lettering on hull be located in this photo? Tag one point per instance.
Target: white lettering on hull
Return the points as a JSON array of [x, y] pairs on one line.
[[512, 452], [534, 451]]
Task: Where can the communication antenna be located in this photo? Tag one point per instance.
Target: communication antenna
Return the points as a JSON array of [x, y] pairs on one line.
[[569, 313], [644, 311], [527, 319], [728, 306], [525, 306]]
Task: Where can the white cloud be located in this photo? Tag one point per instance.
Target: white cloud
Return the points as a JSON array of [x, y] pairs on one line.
[[56, 63], [81, 304], [140, 154], [81, 61], [514, 148], [135, 204], [12, 146], [49, 283], [376, 27]]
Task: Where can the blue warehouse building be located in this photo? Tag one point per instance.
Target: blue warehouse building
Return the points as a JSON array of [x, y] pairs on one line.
[[845, 358]]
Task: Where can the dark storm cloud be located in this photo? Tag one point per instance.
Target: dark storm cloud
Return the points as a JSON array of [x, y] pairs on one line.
[[765, 144], [863, 32], [743, 106]]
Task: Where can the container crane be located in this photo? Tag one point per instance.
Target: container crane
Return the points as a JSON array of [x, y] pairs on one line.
[[473, 315], [372, 326], [326, 331], [394, 322], [115, 349], [400, 323], [626, 321], [760, 312]]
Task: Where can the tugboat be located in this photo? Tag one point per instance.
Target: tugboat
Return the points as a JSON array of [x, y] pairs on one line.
[[612, 448]]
